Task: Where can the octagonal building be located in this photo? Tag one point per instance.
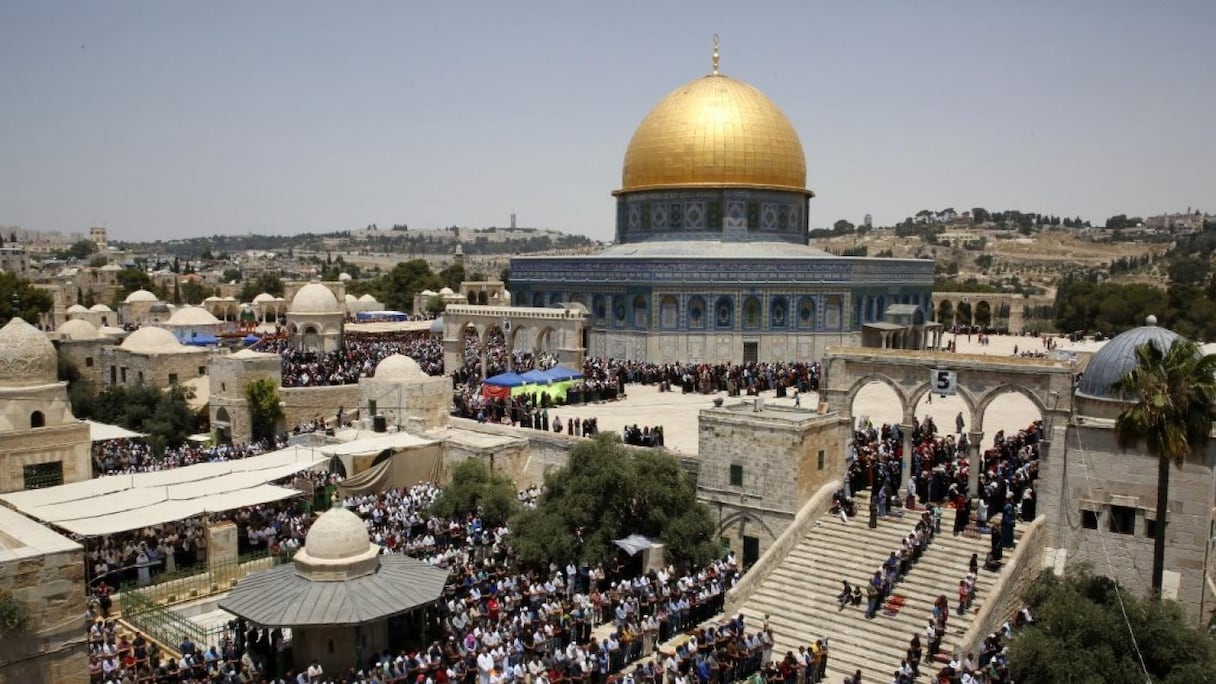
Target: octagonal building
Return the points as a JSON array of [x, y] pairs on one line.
[[710, 261]]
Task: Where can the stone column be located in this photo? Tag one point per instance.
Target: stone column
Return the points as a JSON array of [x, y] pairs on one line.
[[222, 551], [906, 428], [974, 440]]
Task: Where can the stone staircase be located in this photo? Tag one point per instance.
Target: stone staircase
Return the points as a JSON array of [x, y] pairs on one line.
[[799, 596]]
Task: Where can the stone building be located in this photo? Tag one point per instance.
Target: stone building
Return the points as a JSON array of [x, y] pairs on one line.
[[138, 307], [44, 572], [154, 356], [41, 443], [192, 322], [710, 261], [315, 318], [1101, 500], [484, 293], [759, 465], [230, 374], [405, 395], [79, 342]]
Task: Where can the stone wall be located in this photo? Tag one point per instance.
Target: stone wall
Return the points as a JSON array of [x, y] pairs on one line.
[[152, 369], [51, 587], [759, 468], [86, 356], [428, 400], [1006, 599], [301, 404], [229, 376], [1092, 477], [524, 455], [68, 444], [713, 347]]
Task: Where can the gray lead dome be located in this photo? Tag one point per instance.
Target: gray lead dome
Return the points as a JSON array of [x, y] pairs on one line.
[[1117, 357]]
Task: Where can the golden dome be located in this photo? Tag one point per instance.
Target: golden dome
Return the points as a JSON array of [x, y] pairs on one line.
[[715, 132]]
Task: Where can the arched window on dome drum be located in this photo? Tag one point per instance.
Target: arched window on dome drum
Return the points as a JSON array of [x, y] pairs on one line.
[[724, 313], [641, 312], [880, 311], [599, 308], [778, 314], [37, 419], [696, 313], [751, 313], [669, 312], [806, 313], [833, 312], [620, 312], [538, 299]]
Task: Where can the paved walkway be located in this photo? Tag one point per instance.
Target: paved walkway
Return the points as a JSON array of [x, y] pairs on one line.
[[677, 413]]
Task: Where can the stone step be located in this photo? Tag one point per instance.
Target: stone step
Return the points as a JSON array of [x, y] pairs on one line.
[[799, 595]]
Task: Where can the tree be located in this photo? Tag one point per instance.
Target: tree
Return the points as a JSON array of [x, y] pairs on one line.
[[81, 249], [452, 276], [132, 279], [164, 415], [477, 490], [842, 227], [607, 491], [265, 407], [232, 275], [1189, 270], [192, 292], [19, 298], [979, 215], [1080, 634], [268, 282], [398, 287], [1175, 394]]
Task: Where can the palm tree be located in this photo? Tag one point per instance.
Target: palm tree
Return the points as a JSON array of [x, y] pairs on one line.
[[1175, 395]]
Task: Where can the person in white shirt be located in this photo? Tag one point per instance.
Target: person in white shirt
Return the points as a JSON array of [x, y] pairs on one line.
[[485, 664]]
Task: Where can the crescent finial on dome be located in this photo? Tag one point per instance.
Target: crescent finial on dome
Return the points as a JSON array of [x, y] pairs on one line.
[[715, 54]]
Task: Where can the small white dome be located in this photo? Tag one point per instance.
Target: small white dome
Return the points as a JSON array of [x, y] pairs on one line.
[[212, 298], [350, 298], [428, 293], [337, 534], [192, 315], [368, 299], [263, 297], [446, 291], [111, 267], [398, 367], [151, 340], [78, 329], [344, 277], [315, 298], [140, 296], [77, 308], [101, 308], [27, 356]]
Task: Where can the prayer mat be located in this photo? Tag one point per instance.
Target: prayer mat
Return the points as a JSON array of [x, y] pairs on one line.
[[893, 604]]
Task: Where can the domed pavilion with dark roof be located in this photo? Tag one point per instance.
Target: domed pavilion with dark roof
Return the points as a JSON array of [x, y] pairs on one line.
[[1100, 501], [710, 260], [340, 595]]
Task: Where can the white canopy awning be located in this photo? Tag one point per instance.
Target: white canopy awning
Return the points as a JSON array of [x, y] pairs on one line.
[[101, 432], [127, 502], [375, 443]]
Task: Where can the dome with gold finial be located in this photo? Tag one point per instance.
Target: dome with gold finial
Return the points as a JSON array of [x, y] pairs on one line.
[[715, 132]]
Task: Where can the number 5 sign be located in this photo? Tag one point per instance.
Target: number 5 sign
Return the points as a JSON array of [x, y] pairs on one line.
[[943, 381]]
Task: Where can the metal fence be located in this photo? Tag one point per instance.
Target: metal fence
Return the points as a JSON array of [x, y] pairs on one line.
[[149, 608]]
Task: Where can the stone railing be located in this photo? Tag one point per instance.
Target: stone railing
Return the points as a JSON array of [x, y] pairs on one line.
[[1006, 597], [814, 509]]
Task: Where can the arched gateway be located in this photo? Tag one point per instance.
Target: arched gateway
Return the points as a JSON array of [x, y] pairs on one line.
[[976, 379], [559, 330]]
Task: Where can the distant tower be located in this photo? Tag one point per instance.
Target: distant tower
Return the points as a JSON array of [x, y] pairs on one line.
[[458, 256], [98, 236], [512, 220], [868, 221]]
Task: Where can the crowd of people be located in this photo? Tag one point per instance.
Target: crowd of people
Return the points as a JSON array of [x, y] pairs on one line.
[[358, 357], [120, 457], [645, 436]]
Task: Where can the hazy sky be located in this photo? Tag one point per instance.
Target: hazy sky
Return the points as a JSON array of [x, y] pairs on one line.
[[171, 119]]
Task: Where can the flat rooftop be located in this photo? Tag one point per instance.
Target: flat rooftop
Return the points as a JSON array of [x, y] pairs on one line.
[[21, 537]]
